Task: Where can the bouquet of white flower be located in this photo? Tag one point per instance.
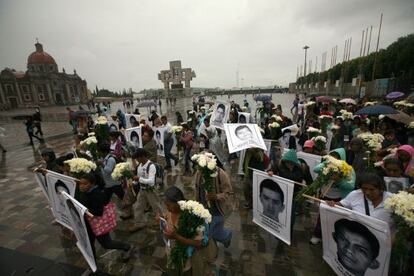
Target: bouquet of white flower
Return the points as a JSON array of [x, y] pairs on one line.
[[370, 103], [122, 170], [273, 125], [325, 120], [346, 115], [313, 132], [331, 166], [207, 163], [310, 103], [102, 120], [411, 125], [80, 166], [176, 129], [277, 118], [193, 221], [402, 205], [90, 145], [320, 142]]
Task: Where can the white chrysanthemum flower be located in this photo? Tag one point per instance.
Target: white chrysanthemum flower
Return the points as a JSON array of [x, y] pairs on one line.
[[102, 120], [80, 165], [89, 140], [274, 125], [312, 129]]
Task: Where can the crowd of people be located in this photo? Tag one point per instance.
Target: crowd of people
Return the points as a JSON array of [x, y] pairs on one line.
[[319, 127]]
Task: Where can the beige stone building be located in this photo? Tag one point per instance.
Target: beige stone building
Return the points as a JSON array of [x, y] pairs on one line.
[[42, 84]]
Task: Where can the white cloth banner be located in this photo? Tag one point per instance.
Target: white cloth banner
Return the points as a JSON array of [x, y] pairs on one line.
[[312, 160], [243, 136], [272, 204], [56, 184], [159, 139], [41, 181], [76, 213], [220, 116], [132, 120], [353, 243], [134, 136], [396, 184]]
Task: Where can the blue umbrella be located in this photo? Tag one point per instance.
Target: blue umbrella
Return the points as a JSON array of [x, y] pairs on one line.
[[376, 110], [394, 95], [263, 98]]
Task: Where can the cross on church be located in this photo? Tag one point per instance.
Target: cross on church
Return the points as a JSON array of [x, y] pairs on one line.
[[176, 75]]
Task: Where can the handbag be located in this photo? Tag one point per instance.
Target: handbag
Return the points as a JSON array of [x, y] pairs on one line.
[[105, 223], [366, 206]]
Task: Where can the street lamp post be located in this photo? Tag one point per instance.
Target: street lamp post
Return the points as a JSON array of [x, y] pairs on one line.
[[304, 68]]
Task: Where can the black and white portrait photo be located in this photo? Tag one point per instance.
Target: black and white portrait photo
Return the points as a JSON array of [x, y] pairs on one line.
[[353, 243], [272, 204], [58, 183], [396, 184], [244, 118], [76, 212], [243, 136], [134, 136], [220, 114], [132, 120], [159, 139]]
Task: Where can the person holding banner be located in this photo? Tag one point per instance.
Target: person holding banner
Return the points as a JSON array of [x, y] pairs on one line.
[[254, 159], [369, 198], [94, 199], [338, 189]]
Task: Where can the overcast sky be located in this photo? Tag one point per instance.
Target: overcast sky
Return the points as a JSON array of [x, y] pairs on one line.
[[125, 43]]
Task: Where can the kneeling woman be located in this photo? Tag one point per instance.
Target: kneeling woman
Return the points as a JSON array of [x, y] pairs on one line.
[[94, 199], [369, 198]]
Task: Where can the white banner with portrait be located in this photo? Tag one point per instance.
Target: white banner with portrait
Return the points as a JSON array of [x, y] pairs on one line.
[[396, 184], [244, 118], [353, 243], [76, 213], [113, 124], [243, 136], [220, 114], [41, 181], [272, 204], [134, 136], [312, 160], [159, 139], [57, 183], [132, 120]]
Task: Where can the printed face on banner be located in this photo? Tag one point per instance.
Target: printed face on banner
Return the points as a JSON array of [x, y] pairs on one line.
[[272, 204], [354, 244], [132, 120], [76, 212], [113, 124], [58, 183], [243, 136], [159, 139], [396, 184], [134, 136], [244, 118], [220, 114]]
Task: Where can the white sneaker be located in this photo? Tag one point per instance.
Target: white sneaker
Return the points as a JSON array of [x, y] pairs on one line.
[[314, 240]]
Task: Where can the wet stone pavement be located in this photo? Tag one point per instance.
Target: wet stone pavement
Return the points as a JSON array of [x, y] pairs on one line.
[[26, 227]]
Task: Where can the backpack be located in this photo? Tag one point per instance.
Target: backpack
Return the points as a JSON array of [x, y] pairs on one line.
[[159, 173]]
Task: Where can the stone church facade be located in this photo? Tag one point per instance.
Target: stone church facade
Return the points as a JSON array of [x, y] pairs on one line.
[[41, 85]]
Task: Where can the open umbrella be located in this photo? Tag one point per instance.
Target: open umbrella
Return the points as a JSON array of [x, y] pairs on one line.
[[394, 95], [325, 99], [401, 117], [263, 98], [376, 110], [348, 101]]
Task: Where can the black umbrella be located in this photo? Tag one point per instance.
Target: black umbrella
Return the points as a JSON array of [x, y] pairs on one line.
[[376, 110]]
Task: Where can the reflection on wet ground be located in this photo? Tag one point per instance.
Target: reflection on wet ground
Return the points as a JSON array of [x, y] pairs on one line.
[[26, 226]]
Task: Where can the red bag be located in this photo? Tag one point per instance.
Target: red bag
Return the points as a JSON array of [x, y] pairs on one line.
[[266, 161], [105, 223]]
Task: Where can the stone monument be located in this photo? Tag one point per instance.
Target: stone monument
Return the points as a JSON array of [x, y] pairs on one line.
[[176, 75]]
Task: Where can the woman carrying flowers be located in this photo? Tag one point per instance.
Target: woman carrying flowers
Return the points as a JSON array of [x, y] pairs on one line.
[[189, 251], [336, 179]]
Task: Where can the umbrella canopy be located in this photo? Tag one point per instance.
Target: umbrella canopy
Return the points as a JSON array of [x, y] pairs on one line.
[[263, 98], [401, 117], [394, 95], [376, 110], [348, 101], [325, 99]]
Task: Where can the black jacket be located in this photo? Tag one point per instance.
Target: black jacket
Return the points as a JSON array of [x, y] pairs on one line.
[[95, 200]]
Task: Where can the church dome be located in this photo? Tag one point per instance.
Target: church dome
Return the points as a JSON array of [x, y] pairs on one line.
[[40, 57]]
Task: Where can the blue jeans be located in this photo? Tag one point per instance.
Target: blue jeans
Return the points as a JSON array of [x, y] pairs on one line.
[[168, 144], [217, 230]]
